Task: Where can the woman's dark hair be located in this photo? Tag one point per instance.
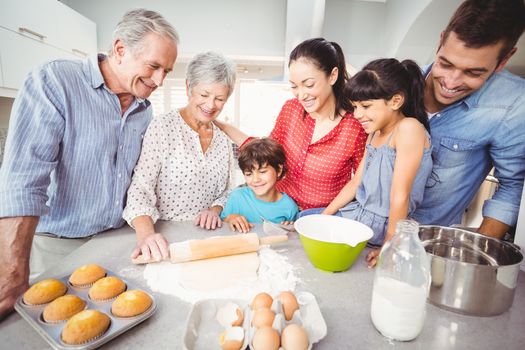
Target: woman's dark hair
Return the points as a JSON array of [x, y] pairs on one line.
[[261, 152], [326, 55], [383, 78]]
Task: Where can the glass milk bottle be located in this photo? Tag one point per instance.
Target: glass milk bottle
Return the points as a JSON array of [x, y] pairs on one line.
[[401, 284]]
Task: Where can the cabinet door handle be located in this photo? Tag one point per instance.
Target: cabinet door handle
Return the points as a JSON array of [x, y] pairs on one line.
[[32, 32], [78, 52]]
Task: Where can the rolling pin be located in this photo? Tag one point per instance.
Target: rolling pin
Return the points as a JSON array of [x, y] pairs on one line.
[[198, 249]]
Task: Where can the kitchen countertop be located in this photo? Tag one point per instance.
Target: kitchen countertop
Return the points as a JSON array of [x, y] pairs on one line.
[[344, 299]]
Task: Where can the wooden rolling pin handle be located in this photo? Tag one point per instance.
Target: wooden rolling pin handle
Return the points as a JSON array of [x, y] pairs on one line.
[[273, 239]]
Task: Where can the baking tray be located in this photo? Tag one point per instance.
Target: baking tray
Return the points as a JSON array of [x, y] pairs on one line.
[[203, 330], [51, 331]]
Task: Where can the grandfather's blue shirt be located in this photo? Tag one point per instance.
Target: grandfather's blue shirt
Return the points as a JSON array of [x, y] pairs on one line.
[[469, 137], [70, 152]]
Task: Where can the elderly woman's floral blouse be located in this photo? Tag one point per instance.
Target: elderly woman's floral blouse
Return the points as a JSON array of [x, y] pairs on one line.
[[174, 179]]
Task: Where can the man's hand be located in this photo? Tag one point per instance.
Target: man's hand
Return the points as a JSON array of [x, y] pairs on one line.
[[238, 223], [209, 218], [15, 246]]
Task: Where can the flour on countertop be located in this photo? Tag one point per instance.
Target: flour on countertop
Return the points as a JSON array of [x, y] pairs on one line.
[[275, 274]]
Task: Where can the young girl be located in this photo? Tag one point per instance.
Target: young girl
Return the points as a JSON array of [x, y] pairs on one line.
[[387, 96], [262, 162]]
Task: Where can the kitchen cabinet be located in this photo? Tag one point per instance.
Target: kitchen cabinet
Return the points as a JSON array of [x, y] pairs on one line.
[[35, 31], [22, 55]]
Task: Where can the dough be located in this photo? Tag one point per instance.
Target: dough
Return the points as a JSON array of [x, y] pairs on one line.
[[219, 273]]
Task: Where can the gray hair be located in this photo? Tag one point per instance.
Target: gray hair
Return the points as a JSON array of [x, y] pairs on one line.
[[137, 24], [211, 67]]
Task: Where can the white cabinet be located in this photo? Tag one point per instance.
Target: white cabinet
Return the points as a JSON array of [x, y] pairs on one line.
[[35, 31], [22, 55]]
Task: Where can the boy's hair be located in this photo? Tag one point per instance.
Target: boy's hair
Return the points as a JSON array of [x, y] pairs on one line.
[[481, 23], [261, 152]]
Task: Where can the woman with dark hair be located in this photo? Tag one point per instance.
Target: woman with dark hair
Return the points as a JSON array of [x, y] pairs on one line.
[[322, 140], [387, 96]]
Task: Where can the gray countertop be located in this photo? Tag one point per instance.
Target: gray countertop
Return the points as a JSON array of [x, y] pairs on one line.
[[344, 299]]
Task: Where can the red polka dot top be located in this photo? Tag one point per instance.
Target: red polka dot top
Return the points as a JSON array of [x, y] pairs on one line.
[[317, 171]]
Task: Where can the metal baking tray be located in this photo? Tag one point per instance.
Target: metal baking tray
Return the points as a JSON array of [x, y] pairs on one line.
[[51, 331]]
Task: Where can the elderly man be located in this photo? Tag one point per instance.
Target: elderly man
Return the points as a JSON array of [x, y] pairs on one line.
[[476, 111], [74, 137]]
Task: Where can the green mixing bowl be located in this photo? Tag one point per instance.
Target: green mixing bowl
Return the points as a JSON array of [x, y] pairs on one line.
[[332, 243]]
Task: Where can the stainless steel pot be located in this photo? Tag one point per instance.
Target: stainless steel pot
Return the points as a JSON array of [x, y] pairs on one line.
[[471, 274]]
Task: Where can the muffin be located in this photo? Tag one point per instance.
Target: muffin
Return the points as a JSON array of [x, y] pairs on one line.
[[106, 288], [131, 303], [85, 275], [63, 308], [44, 291], [85, 326]]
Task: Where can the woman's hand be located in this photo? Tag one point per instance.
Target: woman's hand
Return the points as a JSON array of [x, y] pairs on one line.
[[372, 256], [152, 246], [209, 218], [238, 223]]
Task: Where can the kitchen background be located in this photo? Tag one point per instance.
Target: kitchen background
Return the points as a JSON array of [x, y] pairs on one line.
[[257, 34]]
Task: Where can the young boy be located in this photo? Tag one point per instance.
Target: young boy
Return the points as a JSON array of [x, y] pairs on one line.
[[262, 163]]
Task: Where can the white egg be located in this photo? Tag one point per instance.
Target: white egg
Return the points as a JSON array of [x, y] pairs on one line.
[[232, 338], [230, 315]]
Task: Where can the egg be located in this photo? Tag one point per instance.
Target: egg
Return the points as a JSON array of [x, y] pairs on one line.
[[263, 317], [289, 303], [266, 338], [294, 337], [232, 338], [262, 300], [230, 315]]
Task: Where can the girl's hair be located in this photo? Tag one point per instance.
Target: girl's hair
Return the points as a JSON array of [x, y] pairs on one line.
[[209, 68], [383, 78], [261, 152], [326, 55]]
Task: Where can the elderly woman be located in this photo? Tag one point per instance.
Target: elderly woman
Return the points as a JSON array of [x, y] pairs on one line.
[[184, 170]]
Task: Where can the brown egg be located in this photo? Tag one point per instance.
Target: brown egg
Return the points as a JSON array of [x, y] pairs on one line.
[[232, 338], [294, 337], [262, 300], [263, 317], [289, 302], [266, 338]]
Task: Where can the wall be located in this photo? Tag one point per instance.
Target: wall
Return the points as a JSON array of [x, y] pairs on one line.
[[358, 26], [227, 25], [365, 29], [5, 110], [400, 14], [420, 41]]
